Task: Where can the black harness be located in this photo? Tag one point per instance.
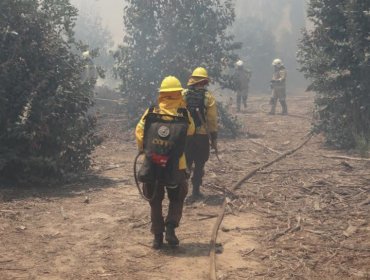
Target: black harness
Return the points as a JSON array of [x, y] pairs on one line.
[[164, 143], [195, 104]]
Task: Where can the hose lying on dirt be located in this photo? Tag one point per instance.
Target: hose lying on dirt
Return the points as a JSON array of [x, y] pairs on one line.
[[138, 184], [213, 275]]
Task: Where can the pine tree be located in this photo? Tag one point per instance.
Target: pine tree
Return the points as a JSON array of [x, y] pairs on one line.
[[171, 37], [45, 130], [335, 57]]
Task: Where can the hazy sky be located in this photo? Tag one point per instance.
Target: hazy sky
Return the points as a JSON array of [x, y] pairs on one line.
[[111, 12]]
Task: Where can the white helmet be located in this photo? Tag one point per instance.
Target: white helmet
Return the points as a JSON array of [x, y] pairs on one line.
[[86, 55], [239, 63], [277, 62]]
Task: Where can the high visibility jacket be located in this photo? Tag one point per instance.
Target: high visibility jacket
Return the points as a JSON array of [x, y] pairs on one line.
[[168, 103], [211, 114], [241, 79], [279, 77]]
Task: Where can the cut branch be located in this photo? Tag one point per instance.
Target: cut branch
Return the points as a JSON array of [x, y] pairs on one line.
[[264, 146], [344, 157]]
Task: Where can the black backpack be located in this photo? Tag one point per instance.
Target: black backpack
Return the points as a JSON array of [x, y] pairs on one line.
[[164, 143], [195, 104]]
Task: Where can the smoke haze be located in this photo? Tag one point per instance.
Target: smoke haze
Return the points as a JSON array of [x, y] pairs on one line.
[[283, 19]]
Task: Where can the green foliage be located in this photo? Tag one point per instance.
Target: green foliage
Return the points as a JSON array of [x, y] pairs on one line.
[[45, 130], [171, 38], [335, 57]]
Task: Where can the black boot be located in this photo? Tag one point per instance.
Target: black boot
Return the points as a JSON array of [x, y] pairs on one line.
[[171, 237], [157, 241], [196, 194]]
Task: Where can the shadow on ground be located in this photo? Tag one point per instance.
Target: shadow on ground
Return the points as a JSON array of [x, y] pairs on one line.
[[191, 249], [89, 183]]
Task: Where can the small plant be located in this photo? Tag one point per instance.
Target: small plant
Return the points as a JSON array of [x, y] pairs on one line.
[[229, 124]]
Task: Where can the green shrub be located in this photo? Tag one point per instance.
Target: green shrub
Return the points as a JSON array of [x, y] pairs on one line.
[[45, 130], [335, 57]]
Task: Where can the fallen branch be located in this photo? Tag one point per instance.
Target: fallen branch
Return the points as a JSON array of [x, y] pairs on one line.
[[315, 231], [293, 170], [344, 157], [264, 146], [206, 216], [280, 234], [235, 187], [365, 202], [247, 253], [9, 211]]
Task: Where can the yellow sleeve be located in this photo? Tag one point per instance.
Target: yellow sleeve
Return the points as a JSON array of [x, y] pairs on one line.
[[283, 75], [139, 131], [212, 114], [191, 127]]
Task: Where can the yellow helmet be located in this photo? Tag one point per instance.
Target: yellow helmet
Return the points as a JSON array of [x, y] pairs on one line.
[[170, 84], [200, 72]]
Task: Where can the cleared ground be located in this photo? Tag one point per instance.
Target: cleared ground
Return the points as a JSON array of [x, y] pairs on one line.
[[305, 217]]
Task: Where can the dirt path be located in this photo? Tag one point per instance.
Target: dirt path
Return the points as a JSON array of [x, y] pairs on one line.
[[306, 217]]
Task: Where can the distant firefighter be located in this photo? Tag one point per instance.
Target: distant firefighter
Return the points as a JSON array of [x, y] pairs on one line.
[[90, 72], [203, 108], [278, 86], [240, 80]]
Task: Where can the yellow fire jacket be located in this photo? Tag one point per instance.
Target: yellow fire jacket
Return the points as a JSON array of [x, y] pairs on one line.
[[211, 114], [280, 77], [168, 103]]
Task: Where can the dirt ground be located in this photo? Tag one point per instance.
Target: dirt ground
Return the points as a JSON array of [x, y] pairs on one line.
[[305, 217]]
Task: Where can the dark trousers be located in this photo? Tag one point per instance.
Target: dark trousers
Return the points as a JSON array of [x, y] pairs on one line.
[[279, 94], [197, 153], [175, 195], [241, 96]]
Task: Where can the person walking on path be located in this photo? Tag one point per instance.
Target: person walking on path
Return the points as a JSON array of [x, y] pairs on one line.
[[161, 134], [203, 108]]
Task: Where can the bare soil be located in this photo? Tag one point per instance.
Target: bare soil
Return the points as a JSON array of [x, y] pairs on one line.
[[305, 217]]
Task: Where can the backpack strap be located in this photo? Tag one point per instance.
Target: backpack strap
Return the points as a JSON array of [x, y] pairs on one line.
[[151, 109], [183, 112]]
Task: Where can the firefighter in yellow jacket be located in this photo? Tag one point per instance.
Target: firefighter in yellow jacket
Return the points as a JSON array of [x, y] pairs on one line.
[[278, 86], [170, 106], [203, 109]]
